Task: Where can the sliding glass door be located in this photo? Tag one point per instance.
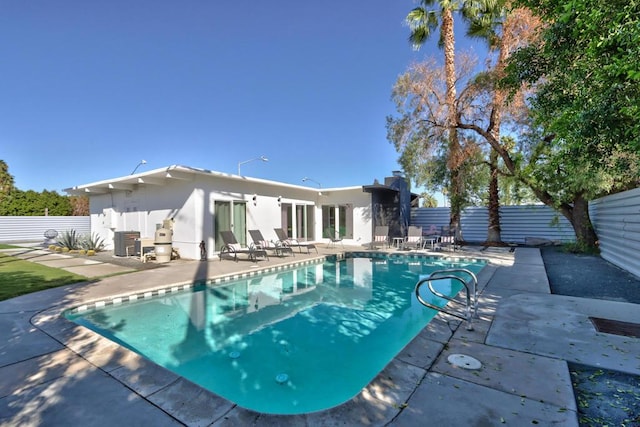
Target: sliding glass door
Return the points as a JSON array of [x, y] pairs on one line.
[[230, 216]]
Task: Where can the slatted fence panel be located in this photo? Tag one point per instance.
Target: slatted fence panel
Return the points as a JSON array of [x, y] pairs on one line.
[[32, 228], [616, 219], [516, 222]]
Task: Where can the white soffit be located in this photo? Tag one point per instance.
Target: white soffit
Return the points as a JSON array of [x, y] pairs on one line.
[[176, 172]]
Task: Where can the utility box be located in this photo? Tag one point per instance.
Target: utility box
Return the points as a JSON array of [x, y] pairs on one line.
[[123, 240]]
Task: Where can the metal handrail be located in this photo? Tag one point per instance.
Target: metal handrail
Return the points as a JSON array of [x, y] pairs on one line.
[[474, 282], [446, 275]]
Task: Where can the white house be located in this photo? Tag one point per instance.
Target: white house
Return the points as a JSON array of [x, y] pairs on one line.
[[198, 203]]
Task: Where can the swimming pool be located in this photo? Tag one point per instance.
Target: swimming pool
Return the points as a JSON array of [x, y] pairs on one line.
[[292, 341]]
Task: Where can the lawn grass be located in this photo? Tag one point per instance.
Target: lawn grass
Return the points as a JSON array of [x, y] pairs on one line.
[[19, 277], [5, 246]]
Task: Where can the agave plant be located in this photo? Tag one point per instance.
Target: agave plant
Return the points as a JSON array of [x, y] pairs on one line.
[[92, 242], [69, 239]]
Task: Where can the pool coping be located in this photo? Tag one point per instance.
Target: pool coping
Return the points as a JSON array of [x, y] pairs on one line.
[[418, 378]]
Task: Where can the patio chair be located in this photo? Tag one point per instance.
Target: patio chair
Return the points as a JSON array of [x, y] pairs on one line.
[[448, 237], [414, 238], [232, 248], [284, 239], [431, 237], [433, 231], [333, 237], [259, 242], [380, 236]]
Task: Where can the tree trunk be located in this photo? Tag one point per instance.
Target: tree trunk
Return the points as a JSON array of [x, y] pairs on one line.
[[454, 163], [494, 231], [581, 222], [494, 235]]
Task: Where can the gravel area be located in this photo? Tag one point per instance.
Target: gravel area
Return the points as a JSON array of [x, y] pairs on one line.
[[604, 398], [588, 276]]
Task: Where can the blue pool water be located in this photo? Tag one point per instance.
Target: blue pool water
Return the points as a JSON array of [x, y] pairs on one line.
[[290, 342]]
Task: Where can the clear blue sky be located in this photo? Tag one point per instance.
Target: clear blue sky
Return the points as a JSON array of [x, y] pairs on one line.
[[88, 89]]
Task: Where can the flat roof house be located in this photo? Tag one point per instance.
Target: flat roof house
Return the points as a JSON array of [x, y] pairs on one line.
[[198, 204]]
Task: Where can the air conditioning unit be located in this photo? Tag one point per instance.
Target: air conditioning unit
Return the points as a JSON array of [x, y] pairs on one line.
[[123, 240]]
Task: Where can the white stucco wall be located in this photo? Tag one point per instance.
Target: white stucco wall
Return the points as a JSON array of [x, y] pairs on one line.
[[361, 205], [190, 202]]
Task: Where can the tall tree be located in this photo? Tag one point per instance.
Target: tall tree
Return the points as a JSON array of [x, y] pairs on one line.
[[423, 21], [483, 17], [504, 29], [481, 101], [6, 181], [420, 133]]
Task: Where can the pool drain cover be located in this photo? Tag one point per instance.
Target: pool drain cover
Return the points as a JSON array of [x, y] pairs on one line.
[[282, 378], [464, 361]]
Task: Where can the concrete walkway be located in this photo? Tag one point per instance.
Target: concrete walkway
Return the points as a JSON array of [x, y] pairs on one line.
[[54, 372]]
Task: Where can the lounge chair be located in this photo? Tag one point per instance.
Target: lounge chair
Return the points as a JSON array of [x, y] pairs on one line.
[[259, 242], [380, 236], [284, 239], [414, 238], [334, 238], [232, 248]]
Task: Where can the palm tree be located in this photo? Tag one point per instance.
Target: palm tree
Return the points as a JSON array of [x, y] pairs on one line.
[[483, 17], [504, 29], [423, 21], [484, 23]]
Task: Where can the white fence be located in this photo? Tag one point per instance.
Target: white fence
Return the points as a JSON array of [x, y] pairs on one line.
[[32, 228], [516, 223], [616, 219]]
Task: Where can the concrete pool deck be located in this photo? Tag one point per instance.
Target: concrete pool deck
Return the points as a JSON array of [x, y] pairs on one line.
[[54, 372]]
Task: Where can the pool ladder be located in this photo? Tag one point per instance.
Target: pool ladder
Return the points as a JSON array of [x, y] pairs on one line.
[[471, 300]]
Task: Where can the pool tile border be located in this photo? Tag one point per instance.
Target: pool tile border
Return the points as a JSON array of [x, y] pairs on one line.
[[170, 289], [272, 269], [129, 298]]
